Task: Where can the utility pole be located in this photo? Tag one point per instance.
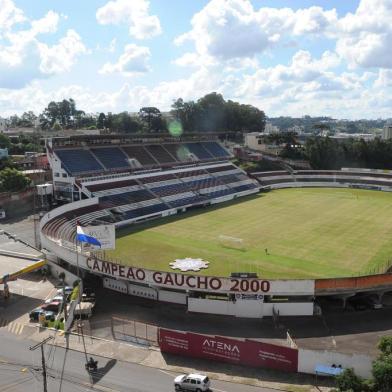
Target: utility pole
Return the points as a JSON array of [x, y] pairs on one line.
[[44, 369], [41, 345]]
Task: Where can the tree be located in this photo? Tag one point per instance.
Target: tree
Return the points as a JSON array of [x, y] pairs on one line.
[[212, 113], [124, 122], [101, 121], [12, 180], [5, 141], [64, 112], [6, 162], [153, 119], [348, 381], [382, 367]]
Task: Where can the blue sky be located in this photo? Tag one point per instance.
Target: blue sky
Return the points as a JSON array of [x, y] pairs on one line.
[[286, 57]]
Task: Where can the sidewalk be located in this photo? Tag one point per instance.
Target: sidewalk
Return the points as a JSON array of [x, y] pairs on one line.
[[152, 357]]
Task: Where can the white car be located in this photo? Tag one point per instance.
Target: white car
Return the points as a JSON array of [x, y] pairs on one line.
[[192, 382], [56, 298]]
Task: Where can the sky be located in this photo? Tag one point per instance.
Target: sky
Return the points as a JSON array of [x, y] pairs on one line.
[[286, 57]]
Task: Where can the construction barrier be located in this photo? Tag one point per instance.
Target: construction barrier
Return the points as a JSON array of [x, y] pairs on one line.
[[241, 352]]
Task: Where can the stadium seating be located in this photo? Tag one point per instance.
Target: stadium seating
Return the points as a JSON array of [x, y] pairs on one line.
[[140, 154], [199, 151], [178, 151], [77, 161], [160, 154], [111, 157], [215, 149], [152, 190]]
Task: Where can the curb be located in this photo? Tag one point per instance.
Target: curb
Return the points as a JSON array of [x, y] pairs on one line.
[[141, 364]]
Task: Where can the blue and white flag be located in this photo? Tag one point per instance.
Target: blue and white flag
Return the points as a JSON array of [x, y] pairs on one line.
[[81, 236]]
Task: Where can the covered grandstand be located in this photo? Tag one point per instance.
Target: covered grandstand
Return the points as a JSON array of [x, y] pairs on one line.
[[135, 179]]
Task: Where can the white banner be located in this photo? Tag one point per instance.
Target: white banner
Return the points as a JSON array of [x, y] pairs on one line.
[[201, 283], [105, 234]]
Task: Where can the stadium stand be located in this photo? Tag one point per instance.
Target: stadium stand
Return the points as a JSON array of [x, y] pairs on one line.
[[160, 154], [79, 161], [132, 182], [140, 154], [111, 157], [199, 151]]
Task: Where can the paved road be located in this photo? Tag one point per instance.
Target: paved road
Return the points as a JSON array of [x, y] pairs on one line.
[[20, 369]]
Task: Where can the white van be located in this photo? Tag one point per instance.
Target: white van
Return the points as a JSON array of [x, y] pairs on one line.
[[192, 382]]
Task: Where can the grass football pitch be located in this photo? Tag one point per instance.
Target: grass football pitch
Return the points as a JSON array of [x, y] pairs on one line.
[[308, 233]]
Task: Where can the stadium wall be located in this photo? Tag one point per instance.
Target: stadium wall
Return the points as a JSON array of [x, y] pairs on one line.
[[164, 280], [241, 352], [308, 359]]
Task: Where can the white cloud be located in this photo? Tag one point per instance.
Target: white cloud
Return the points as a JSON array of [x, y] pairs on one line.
[[133, 61], [365, 37], [47, 24], [384, 79], [62, 56], [227, 29], [9, 15], [23, 57], [134, 13]]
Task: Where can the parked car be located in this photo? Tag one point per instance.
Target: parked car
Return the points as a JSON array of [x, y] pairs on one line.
[[53, 306], [192, 382], [68, 290], [88, 295], [56, 298], [49, 315], [83, 310]]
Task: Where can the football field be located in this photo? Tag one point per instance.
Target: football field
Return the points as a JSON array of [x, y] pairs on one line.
[[288, 233]]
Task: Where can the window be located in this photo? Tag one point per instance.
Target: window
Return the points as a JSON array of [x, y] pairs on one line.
[[193, 381], [64, 175], [57, 174]]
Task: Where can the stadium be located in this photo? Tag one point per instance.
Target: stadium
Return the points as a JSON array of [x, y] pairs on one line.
[[193, 228]]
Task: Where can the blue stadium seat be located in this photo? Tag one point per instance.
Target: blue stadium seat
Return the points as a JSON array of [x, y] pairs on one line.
[[111, 157], [139, 212], [215, 149], [198, 150], [78, 161], [160, 154]]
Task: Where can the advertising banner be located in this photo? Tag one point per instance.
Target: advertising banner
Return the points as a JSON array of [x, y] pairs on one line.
[[105, 234], [173, 280], [241, 352]]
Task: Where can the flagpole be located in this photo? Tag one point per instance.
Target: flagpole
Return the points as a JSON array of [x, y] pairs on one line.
[[80, 294]]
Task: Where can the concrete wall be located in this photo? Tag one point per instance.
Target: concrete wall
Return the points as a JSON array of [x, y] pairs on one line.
[[55, 270], [289, 308], [308, 359], [248, 308], [18, 203], [116, 285], [212, 306], [172, 296], [142, 291]]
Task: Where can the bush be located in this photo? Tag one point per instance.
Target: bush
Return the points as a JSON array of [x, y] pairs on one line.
[[348, 381]]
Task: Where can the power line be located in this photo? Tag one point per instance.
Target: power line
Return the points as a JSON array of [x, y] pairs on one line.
[[41, 346]]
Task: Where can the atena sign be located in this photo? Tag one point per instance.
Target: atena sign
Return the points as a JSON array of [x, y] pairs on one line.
[[200, 283], [218, 348]]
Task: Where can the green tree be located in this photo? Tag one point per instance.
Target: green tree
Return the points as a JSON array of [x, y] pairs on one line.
[[4, 141], [101, 121], [153, 119], [382, 367], [6, 162], [348, 381], [28, 119], [12, 180], [212, 113]]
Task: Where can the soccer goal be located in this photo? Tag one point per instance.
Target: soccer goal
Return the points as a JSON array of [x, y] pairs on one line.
[[231, 242]]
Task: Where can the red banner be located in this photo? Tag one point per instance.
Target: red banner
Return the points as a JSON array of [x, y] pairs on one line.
[[242, 352]]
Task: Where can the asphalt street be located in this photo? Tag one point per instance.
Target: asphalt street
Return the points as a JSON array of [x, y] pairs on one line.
[[21, 370]]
